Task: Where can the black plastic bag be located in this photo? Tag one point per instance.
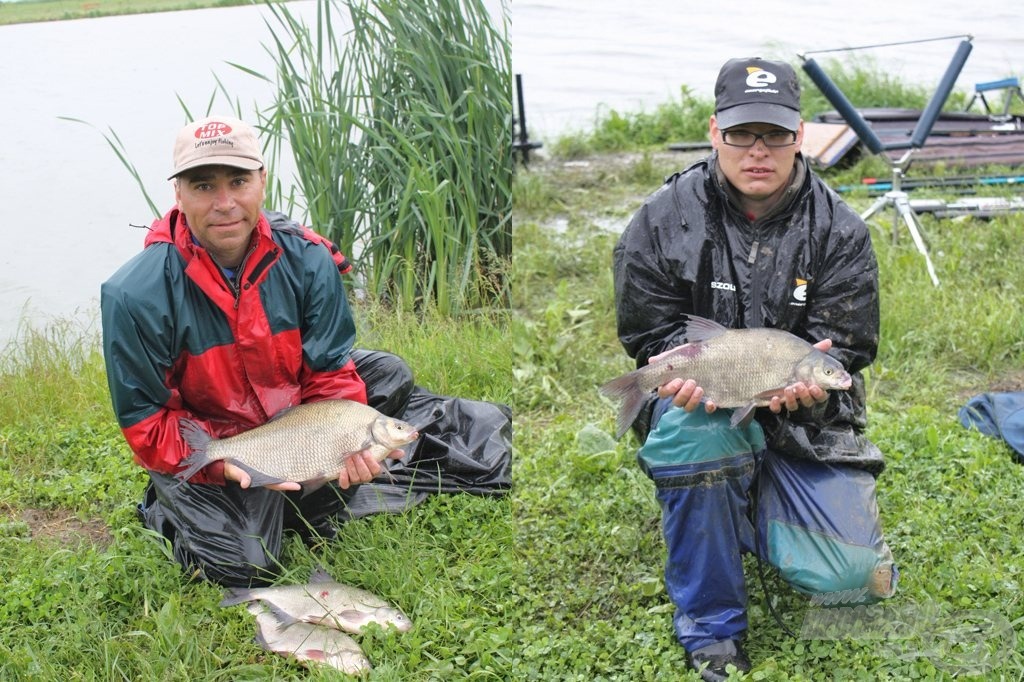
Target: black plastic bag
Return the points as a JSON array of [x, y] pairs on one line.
[[465, 446]]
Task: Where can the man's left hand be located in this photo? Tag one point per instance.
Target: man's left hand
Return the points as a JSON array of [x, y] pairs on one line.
[[800, 394]]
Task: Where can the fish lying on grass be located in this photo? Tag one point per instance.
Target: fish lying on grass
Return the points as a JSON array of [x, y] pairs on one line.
[[309, 443], [323, 601], [738, 368], [307, 642]]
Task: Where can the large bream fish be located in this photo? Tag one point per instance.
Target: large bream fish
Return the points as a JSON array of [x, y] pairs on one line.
[[323, 601], [309, 443], [738, 368]]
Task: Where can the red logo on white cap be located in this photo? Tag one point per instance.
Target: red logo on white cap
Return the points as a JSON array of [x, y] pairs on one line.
[[211, 130]]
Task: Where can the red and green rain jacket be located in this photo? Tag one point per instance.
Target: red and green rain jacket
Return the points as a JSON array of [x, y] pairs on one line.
[[180, 341]]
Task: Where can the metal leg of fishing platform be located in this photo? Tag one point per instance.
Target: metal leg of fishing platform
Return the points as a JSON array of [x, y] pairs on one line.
[[897, 197], [901, 202]]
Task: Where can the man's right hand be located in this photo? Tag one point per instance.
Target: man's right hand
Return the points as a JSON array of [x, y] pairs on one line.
[[684, 393]]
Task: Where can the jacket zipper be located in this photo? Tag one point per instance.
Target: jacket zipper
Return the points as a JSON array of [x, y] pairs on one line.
[[755, 280], [236, 290]]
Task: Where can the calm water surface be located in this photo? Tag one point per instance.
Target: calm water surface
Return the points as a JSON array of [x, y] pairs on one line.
[[578, 55]]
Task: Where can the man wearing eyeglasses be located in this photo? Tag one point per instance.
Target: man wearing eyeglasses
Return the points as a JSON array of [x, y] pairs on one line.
[[751, 237]]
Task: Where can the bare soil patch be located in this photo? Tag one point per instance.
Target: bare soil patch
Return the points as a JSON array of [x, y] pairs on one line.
[[62, 526]]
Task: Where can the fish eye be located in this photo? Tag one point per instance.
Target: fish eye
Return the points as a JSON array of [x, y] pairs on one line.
[[828, 371]]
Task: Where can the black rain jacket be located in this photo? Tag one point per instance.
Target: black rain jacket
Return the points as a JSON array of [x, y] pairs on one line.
[[807, 267]]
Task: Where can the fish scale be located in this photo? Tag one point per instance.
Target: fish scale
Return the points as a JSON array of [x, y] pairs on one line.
[[736, 368]]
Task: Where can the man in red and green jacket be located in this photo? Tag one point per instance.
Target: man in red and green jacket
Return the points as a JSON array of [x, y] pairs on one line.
[[229, 315]]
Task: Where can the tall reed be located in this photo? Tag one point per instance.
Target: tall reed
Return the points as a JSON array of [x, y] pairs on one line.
[[400, 135]]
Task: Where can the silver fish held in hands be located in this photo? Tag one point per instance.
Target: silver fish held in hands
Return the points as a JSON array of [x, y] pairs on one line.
[[308, 643], [309, 443], [737, 368], [323, 601]]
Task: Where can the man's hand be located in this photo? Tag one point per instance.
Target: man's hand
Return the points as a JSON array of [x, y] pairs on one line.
[[361, 467], [234, 473], [685, 394], [800, 394]]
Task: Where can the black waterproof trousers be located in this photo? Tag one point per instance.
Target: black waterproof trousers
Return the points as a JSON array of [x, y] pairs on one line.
[[232, 536]]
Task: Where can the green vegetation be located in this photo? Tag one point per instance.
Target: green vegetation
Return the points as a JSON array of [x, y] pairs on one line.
[[561, 580], [593, 606], [400, 136], [864, 82], [90, 595], [58, 10]]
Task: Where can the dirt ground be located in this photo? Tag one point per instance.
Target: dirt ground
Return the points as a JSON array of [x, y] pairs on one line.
[[62, 526]]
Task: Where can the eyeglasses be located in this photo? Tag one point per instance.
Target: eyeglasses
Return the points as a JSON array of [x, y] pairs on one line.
[[771, 139]]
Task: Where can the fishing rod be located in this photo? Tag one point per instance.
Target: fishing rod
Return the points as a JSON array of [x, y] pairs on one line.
[[880, 185]]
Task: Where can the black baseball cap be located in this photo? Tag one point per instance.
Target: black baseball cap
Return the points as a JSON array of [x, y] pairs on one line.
[[755, 90]]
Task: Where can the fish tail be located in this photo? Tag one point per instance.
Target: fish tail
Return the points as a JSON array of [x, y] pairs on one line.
[[626, 389], [742, 416], [236, 595], [198, 440]]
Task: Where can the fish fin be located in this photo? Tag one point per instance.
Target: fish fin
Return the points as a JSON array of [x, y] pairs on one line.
[[742, 416], [627, 389], [236, 595], [283, 617], [317, 655], [771, 393], [262, 640], [282, 413], [257, 479], [320, 575], [701, 329], [198, 440], [339, 620]]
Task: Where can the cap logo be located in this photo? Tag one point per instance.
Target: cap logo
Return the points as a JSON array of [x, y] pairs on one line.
[[211, 130], [758, 79]]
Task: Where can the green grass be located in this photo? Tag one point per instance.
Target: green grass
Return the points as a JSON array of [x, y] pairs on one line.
[[91, 595], [590, 525]]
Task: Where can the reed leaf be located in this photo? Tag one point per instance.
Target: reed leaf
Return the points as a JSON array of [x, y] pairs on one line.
[[400, 135]]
